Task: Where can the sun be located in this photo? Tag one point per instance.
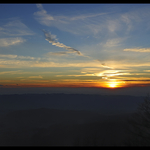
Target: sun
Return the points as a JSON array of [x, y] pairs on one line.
[[112, 85], [115, 84]]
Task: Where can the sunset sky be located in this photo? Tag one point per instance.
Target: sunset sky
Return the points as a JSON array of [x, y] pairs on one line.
[[74, 45]]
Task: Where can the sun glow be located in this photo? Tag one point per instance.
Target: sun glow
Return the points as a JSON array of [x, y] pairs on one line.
[[114, 84]]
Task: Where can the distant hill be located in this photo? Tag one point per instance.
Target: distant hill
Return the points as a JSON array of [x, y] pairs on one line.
[[101, 103]]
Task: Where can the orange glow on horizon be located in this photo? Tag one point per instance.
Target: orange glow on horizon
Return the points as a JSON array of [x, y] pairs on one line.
[[114, 84], [110, 84]]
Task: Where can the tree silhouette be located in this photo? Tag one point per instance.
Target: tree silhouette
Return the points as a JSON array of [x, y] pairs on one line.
[[139, 125]]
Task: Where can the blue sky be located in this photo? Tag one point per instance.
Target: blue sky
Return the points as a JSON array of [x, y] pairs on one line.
[[102, 45]]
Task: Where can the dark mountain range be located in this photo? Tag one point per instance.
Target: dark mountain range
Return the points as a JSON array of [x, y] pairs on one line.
[[102, 103], [65, 119]]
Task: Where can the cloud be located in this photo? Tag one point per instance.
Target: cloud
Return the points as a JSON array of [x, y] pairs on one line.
[[52, 39], [103, 64], [136, 17], [58, 53], [12, 72], [77, 24], [84, 16], [15, 28], [137, 80], [17, 57], [113, 25], [8, 56], [146, 70], [42, 15], [39, 77], [76, 75], [104, 22], [26, 57], [4, 42], [15, 61], [125, 18], [142, 50], [113, 42], [112, 73]]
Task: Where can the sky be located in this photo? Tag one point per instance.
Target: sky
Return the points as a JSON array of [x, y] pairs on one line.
[[74, 45]]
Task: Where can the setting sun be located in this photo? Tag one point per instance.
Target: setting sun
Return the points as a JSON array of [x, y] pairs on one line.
[[113, 85]]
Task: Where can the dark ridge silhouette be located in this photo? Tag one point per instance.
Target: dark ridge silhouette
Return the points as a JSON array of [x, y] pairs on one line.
[[101, 103]]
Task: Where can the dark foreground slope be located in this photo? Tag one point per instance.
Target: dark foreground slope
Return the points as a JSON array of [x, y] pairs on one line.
[[50, 127]]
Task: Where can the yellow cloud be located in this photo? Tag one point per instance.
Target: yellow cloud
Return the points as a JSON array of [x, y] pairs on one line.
[[12, 72], [142, 50], [111, 73], [146, 70], [40, 77]]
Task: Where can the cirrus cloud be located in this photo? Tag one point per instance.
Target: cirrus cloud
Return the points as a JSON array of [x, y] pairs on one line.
[[77, 24], [4, 42], [52, 39], [142, 50], [15, 28], [42, 15], [39, 77]]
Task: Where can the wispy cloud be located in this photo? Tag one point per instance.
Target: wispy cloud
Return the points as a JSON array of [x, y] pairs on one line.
[[58, 53], [4, 42], [27, 57], [77, 24], [75, 75], [11, 72], [39, 77], [112, 73], [52, 39], [15, 28], [113, 24], [42, 15], [15, 61], [136, 17], [9, 56], [113, 42], [146, 70], [142, 50], [100, 23], [103, 64], [85, 16]]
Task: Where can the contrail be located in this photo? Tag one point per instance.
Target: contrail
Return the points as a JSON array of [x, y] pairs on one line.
[[52, 39]]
